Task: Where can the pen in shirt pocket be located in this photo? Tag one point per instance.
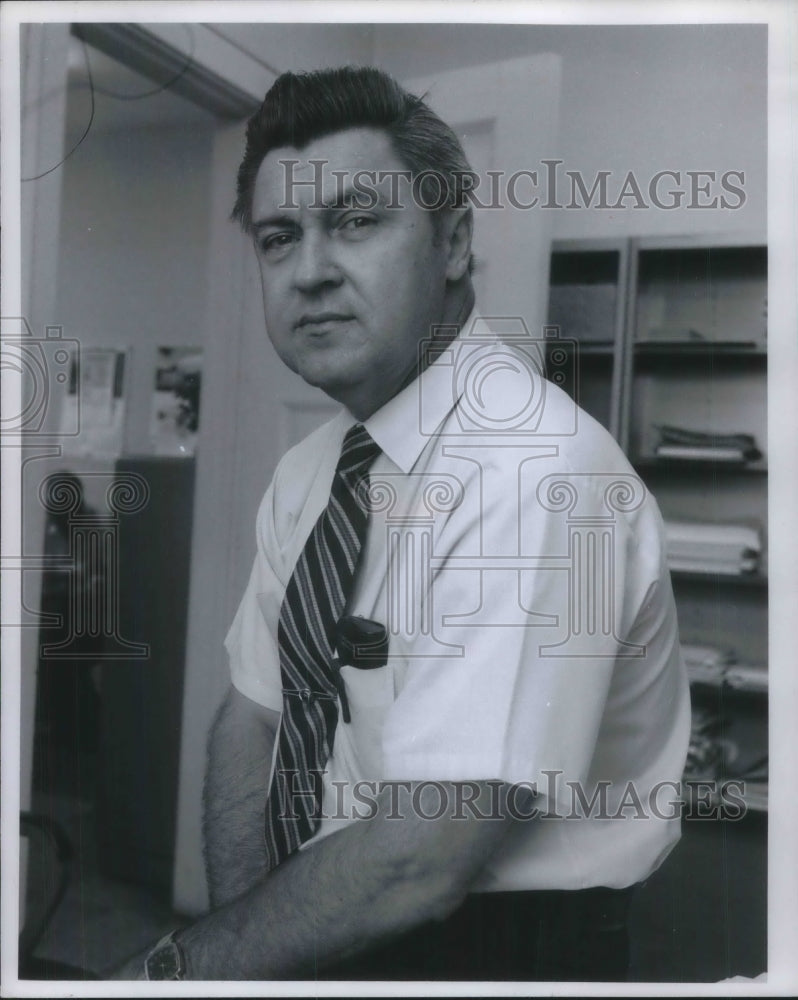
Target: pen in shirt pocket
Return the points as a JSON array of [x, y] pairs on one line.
[[361, 643]]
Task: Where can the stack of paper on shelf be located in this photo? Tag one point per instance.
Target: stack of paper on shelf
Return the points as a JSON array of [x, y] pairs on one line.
[[699, 547], [701, 446], [706, 664], [711, 665], [747, 677]]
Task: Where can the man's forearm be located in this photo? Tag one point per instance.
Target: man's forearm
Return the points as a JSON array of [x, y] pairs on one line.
[[236, 786], [351, 890], [346, 892]]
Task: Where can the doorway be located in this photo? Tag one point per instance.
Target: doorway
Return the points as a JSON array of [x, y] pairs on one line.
[[131, 261]]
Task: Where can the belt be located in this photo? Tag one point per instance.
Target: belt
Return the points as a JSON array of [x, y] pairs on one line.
[[525, 936]]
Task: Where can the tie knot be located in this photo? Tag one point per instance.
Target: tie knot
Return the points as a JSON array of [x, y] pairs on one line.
[[358, 451]]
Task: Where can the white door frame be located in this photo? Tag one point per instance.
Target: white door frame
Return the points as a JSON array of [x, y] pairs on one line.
[[31, 213]]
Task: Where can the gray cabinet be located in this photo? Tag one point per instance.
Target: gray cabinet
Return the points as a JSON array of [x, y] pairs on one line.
[[141, 700]]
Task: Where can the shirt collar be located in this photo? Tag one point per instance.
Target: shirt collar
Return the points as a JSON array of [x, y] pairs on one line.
[[404, 425]]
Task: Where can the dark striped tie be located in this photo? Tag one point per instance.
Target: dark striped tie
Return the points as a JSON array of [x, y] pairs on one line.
[[315, 599]]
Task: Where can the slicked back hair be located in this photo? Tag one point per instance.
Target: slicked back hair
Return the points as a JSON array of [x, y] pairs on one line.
[[300, 108]]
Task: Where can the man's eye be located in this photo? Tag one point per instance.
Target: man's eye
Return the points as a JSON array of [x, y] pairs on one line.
[[276, 242], [357, 225]]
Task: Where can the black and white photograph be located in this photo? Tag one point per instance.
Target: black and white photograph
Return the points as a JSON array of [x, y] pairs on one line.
[[399, 465]]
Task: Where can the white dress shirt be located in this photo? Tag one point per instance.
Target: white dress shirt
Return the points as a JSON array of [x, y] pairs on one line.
[[519, 566]]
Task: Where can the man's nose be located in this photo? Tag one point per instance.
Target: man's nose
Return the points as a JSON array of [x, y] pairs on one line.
[[315, 265]]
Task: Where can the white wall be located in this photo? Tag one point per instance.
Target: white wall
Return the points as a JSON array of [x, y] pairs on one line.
[[300, 47], [134, 244], [634, 98]]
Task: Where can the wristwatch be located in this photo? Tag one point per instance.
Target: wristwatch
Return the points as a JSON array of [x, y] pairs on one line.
[[166, 960]]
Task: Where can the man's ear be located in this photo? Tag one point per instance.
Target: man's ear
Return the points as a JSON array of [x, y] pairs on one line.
[[458, 229]]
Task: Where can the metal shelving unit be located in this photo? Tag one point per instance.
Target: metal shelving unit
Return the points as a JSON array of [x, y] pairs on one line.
[[673, 331]]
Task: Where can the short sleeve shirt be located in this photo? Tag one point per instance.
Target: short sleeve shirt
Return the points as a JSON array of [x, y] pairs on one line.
[[518, 565]]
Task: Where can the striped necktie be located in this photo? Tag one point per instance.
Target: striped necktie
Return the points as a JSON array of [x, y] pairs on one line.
[[314, 600]]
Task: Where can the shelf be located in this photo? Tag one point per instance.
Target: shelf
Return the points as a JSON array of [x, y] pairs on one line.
[[699, 356], [593, 348], [650, 464], [719, 293], [730, 685], [596, 349], [700, 348], [673, 333], [695, 787], [753, 580]]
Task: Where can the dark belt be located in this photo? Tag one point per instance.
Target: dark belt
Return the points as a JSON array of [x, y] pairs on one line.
[[538, 936]]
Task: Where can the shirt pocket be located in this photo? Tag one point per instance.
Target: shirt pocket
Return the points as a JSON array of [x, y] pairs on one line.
[[370, 694]]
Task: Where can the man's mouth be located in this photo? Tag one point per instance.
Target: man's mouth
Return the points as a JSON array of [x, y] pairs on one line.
[[311, 321]]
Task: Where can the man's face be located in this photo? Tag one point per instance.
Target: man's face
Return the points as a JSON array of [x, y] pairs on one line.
[[348, 289]]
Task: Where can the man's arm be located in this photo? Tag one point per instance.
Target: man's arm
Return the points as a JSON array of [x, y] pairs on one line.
[[351, 890], [236, 785]]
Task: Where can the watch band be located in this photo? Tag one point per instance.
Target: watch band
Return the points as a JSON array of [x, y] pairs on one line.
[[166, 960]]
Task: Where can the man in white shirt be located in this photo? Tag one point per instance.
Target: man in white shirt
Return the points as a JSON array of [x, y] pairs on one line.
[[490, 788]]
